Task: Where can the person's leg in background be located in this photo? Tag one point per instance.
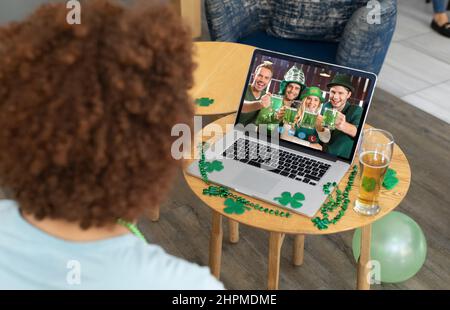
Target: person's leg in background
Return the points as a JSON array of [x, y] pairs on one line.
[[440, 21]]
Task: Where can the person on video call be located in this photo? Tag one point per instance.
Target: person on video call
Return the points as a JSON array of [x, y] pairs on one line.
[[440, 22], [347, 119], [290, 88], [256, 96], [86, 152], [311, 102]]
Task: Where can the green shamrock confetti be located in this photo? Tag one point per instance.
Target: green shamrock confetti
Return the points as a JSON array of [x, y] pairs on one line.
[[233, 206], [213, 166], [204, 102], [390, 179], [294, 201], [223, 192], [369, 184]]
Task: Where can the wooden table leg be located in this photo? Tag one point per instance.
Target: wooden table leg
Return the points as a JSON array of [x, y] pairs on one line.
[[153, 214], [275, 243], [299, 247], [363, 281], [215, 244], [234, 231]]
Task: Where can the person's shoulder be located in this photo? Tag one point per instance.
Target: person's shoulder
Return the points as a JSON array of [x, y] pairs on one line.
[[7, 207], [356, 109], [152, 268]]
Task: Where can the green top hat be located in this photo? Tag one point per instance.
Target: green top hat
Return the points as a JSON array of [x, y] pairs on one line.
[[313, 91], [294, 75], [342, 80]]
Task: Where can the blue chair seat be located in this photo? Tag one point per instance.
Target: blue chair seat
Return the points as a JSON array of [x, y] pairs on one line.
[[362, 41], [317, 50]]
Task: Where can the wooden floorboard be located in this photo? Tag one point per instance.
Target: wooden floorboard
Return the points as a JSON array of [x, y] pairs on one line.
[[183, 229]]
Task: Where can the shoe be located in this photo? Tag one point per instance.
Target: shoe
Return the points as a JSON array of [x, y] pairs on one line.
[[443, 30]]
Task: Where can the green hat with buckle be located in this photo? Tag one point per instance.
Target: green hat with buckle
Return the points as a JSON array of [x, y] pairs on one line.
[[294, 75], [313, 91], [342, 80]]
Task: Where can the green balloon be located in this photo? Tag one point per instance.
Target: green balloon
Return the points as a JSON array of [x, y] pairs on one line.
[[398, 244]]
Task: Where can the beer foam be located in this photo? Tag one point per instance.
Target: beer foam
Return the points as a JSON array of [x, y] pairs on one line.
[[375, 155]]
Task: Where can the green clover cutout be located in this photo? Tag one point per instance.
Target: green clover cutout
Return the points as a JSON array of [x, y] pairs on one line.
[[390, 179], [204, 102], [390, 173], [294, 201], [213, 166], [233, 206], [369, 184]]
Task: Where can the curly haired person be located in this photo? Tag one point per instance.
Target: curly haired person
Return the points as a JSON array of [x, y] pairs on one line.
[[85, 141]]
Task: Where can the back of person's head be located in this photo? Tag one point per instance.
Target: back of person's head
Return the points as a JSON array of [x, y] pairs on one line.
[[86, 110]]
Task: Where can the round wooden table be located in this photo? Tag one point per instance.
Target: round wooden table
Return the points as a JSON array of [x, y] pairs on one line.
[[220, 75], [298, 225]]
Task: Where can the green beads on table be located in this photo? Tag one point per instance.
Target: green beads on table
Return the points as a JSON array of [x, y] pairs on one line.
[[233, 203], [341, 201]]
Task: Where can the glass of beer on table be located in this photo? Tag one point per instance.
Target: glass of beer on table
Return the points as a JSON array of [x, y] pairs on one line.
[[375, 155]]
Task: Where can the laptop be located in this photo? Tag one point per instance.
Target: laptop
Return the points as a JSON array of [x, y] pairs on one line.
[[264, 157]]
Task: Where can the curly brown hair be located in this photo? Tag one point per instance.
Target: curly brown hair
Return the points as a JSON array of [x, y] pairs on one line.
[[86, 111]]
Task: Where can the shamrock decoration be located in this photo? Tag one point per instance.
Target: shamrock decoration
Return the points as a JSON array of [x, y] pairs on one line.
[[213, 166], [286, 199], [369, 184], [233, 206], [390, 179], [234, 203], [204, 102]]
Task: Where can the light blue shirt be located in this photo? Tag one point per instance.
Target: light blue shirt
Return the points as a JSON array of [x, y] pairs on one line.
[[33, 259]]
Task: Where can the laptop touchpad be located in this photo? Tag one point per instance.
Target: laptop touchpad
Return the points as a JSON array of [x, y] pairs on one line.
[[254, 180]]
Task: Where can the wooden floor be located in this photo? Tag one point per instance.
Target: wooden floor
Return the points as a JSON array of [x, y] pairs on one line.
[[183, 229]]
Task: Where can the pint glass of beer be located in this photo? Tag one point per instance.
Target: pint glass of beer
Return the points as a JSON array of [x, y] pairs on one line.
[[289, 115], [329, 118], [308, 119], [277, 102], [375, 154]]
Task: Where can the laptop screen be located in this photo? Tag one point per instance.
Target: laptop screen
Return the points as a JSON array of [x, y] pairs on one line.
[[311, 104]]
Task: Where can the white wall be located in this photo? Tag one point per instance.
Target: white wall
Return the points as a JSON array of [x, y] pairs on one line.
[[13, 10]]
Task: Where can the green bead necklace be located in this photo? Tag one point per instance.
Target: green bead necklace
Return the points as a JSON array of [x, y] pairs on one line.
[[341, 201], [332, 204], [132, 228], [223, 192]]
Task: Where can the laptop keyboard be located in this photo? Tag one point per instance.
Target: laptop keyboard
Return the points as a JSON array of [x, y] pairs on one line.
[[284, 163]]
